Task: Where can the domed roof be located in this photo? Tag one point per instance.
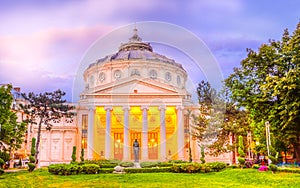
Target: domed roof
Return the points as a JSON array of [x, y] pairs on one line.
[[135, 49]]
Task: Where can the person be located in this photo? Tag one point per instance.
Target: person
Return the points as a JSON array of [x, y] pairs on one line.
[[136, 148]]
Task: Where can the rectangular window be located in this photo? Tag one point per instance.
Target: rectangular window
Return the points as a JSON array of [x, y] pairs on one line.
[[84, 131], [84, 121]]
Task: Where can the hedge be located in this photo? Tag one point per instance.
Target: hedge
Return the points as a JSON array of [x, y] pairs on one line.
[[155, 164], [198, 168], [147, 170], [72, 169]]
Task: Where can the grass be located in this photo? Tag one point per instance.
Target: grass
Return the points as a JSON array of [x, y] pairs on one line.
[[226, 178]]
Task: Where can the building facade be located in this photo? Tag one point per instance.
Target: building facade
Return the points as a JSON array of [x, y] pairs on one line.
[[135, 93]]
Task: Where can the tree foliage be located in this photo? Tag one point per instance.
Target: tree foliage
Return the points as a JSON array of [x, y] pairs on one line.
[[42, 109], [205, 125], [268, 85], [219, 119], [11, 131]]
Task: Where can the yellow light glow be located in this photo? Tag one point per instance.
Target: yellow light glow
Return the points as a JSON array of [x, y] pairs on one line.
[[170, 110], [135, 110], [152, 140], [100, 110], [118, 140]]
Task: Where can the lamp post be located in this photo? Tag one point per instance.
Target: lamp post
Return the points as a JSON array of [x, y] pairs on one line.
[[268, 139]]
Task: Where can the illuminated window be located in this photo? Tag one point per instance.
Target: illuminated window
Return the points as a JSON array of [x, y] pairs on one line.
[[84, 131]]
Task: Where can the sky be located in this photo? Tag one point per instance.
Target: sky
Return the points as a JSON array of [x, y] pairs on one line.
[[42, 43]]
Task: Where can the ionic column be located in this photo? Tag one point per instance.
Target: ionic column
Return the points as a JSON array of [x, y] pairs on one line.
[[108, 110], [91, 117], [163, 145], [145, 133], [180, 132], [126, 144]]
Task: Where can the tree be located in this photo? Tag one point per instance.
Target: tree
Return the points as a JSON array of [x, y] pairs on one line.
[[43, 108], [241, 152], [11, 132], [205, 125], [219, 119], [267, 84], [235, 123]]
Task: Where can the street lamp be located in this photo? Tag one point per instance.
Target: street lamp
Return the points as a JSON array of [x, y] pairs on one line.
[[268, 139]]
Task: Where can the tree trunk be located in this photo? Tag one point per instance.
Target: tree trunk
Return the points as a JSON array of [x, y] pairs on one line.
[[297, 151], [38, 142]]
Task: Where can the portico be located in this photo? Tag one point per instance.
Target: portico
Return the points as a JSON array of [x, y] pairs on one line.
[[156, 128]]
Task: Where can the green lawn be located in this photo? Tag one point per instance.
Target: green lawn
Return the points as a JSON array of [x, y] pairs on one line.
[[226, 178]]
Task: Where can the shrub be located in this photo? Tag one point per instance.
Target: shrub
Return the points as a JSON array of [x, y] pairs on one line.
[[126, 164], [241, 147], [32, 151], [232, 166], [241, 161], [1, 171], [273, 168], [31, 159], [82, 155], [31, 164], [105, 170], [31, 167], [1, 163], [186, 168], [108, 165], [149, 164], [74, 154], [147, 170], [256, 166], [90, 168], [156, 164], [248, 164], [202, 158], [217, 166], [5, 156], [177, 161], [205, 168]]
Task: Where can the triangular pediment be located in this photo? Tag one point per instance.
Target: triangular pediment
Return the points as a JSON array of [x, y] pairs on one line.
[[136, 86]]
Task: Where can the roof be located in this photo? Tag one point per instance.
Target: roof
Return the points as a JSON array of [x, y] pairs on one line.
[[135, 49]]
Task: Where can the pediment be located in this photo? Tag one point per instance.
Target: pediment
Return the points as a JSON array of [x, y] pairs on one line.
[[136, 86]]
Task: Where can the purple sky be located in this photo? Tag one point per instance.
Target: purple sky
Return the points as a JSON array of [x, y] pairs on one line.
[[42, 43]]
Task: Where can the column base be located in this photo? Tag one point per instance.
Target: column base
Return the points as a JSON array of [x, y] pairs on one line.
[[136, 165]]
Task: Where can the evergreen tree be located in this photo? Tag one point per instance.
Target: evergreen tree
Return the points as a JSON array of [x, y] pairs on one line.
[[43, 108]]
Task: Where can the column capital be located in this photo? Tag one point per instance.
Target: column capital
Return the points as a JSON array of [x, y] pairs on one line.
[[108, 108], [126, 107], [162, 107], [179, 107], [145, 107], [91, 108]]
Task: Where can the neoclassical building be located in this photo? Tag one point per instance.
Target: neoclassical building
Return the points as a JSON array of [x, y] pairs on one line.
[[135, 93]]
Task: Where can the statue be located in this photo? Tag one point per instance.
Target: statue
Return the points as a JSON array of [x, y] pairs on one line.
[[136, 148]]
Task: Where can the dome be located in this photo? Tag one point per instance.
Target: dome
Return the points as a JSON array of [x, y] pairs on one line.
[[135, 58], [135, 49]]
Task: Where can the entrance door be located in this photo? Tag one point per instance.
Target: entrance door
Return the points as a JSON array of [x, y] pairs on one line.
[[133, 136], [118, 146], [153, 145]]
